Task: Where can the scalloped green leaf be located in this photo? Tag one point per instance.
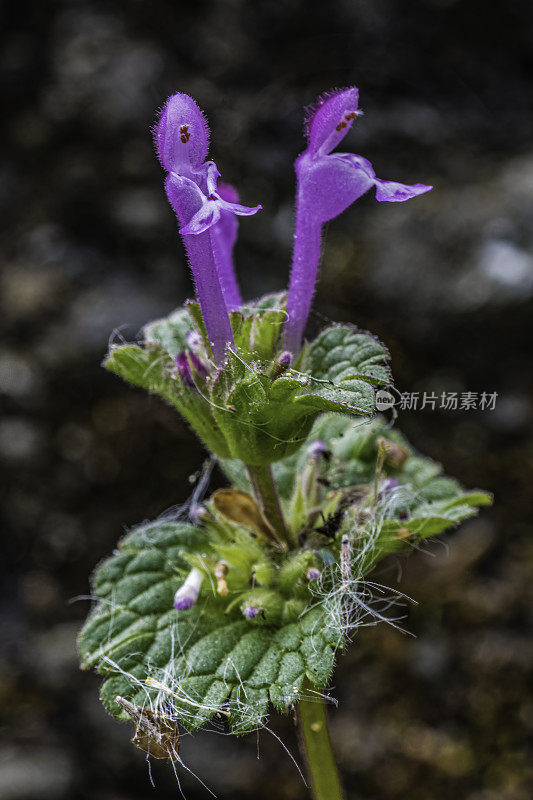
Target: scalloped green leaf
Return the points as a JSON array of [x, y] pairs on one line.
[[342, 354], [205, 659], [246, 409]]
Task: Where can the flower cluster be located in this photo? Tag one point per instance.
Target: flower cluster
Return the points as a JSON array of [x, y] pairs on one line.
[[327, 183]]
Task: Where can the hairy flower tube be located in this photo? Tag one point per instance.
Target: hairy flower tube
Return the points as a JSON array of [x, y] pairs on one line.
[[327, 183], [205, 212]]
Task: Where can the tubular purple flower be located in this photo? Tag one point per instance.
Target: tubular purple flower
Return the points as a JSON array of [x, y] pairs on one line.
[[250, 612], [181, 139], [327, 183], [187, 594], [225, 232]]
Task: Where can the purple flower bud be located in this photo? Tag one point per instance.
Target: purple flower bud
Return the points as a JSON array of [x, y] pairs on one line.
[[186, 362], [327, 183], [388, 485], [317, 449], [197, 513], [187, 594], [250, 612], [281, 364], [313, 574]]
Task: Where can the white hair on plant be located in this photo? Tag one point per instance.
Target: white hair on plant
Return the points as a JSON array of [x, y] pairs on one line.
[[349, 600]]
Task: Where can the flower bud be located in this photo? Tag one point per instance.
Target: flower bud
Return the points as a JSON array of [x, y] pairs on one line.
[[187, 594], [282, 364], [388, 485], [263, 605], [181, 136], [197, 513]]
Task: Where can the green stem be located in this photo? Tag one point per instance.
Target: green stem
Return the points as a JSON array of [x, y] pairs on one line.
[[316, 748], [267, 494]]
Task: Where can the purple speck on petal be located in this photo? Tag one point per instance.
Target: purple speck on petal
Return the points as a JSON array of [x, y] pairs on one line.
[[393, 192], [313, 574], [181, 135], [250, 612], [330, 119]]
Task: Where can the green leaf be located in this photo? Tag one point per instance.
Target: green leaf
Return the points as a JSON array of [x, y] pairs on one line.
[[199, 661], [170, 332], [343, 354], [271, 417], [247, 409]]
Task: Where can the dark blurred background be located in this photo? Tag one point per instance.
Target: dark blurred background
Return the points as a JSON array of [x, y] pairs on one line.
[[445, 280]]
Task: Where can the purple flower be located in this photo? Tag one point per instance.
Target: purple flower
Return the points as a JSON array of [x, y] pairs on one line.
[[187, 594], [285, 359], [389, 485], [226, 233], [250, 612], [186, 362], [313, 574], [197, 513], [327, 183], [181, 139], [317, 449]]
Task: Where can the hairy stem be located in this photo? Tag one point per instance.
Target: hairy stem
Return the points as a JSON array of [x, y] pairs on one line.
[[267, 495], [316, 748]]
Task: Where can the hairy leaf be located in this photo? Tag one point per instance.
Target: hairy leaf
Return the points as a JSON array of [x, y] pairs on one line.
[[198, 662]]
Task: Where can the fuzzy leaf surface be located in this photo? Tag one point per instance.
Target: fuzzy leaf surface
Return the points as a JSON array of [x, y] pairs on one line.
[[205, 658], [247, 410]]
